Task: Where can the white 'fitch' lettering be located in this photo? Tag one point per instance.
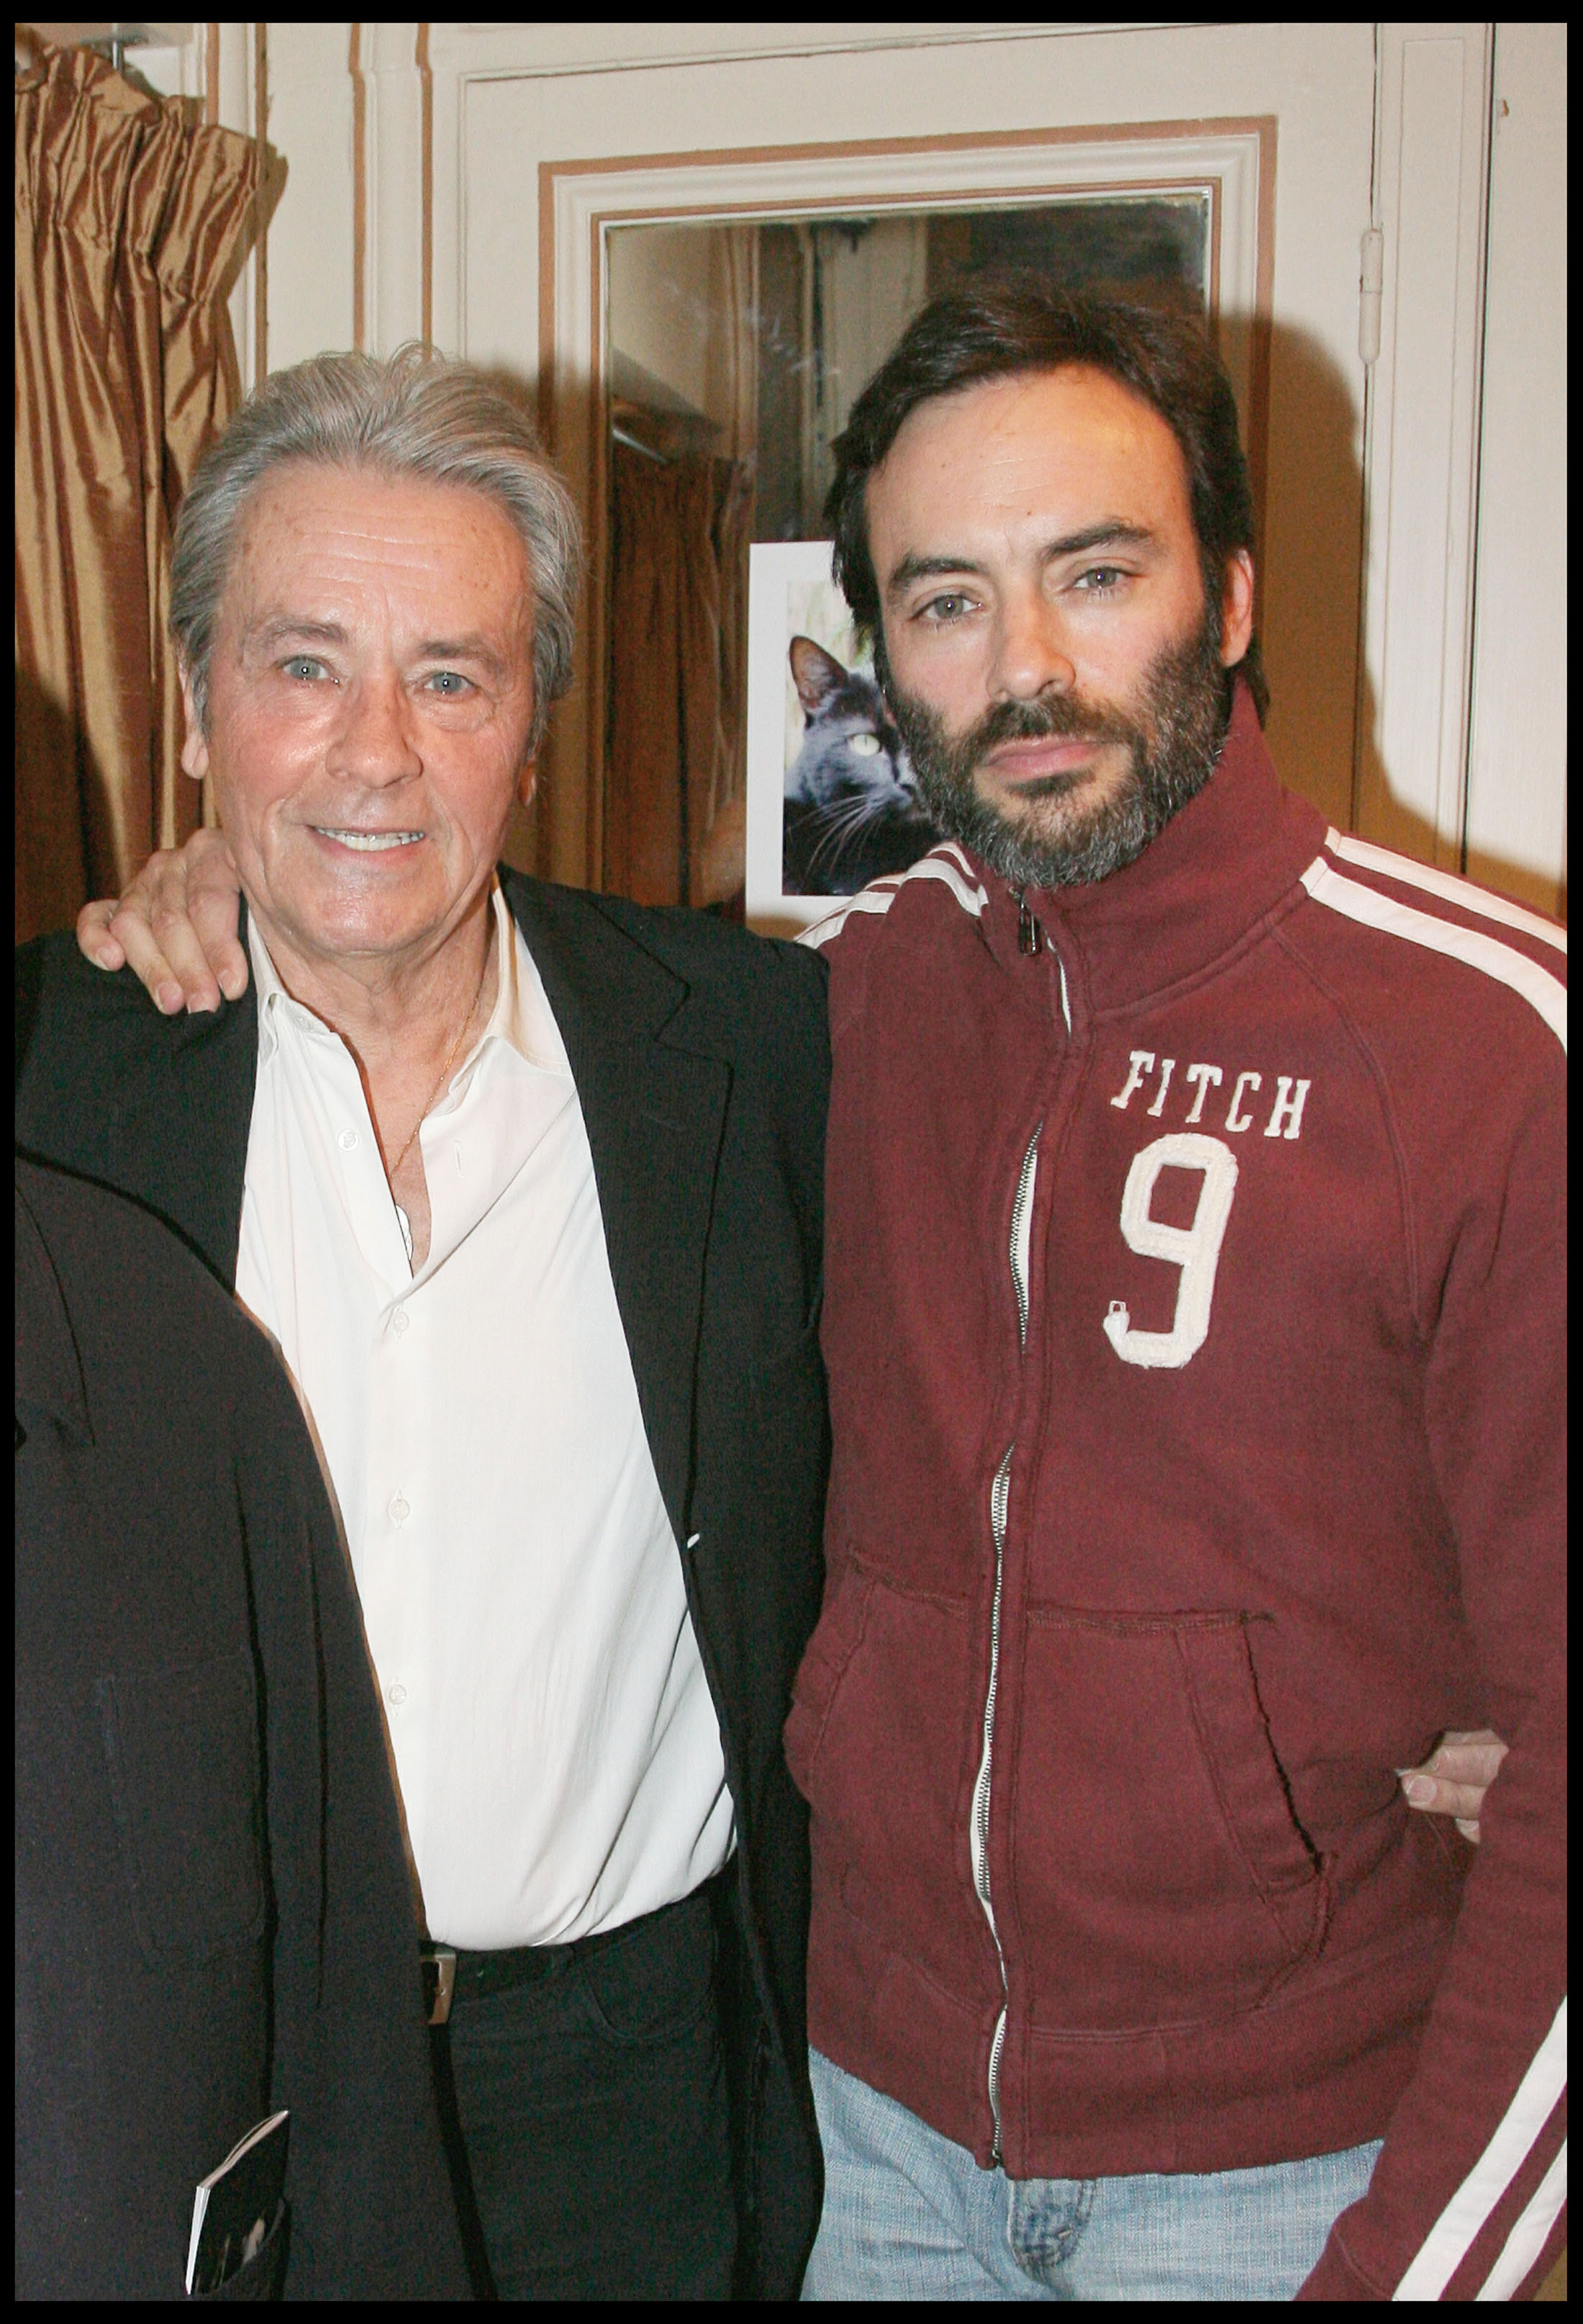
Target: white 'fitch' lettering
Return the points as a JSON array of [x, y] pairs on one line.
[[1248, 1082], [1142, 1061], [1167, 1067], [1208, 1077], [1287, 1110]]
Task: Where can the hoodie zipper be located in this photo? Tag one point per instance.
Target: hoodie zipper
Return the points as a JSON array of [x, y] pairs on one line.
[[1000, 1497]]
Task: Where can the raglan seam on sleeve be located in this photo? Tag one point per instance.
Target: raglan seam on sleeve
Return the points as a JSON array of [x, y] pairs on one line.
[[1411, 1268]]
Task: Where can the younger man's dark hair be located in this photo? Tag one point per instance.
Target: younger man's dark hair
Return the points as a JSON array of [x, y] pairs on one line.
[[998, 325]]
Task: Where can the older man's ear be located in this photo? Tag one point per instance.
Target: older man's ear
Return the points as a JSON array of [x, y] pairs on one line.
[[195, 745], [527, 780]]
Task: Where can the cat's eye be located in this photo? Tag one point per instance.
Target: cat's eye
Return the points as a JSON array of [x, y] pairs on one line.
[[863, 746]]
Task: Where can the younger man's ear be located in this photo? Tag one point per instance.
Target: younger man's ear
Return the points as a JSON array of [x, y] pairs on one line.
[[1236, 608]]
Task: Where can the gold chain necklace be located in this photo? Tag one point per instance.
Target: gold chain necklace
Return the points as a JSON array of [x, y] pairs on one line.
[[444, 1069]]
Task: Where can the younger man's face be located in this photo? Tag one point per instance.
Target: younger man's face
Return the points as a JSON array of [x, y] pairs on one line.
[[1051, 661]]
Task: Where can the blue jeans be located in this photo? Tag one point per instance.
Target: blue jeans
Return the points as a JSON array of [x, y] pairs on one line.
[[910, 2216]]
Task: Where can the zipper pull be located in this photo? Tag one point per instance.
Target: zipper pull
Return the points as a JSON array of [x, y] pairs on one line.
[[1030, 937]]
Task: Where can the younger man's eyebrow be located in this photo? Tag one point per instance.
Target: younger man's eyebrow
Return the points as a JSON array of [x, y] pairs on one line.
[[1110, 532]]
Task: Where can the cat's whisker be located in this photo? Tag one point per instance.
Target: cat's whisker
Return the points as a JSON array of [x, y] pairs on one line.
[[841, 825], [845, 825]]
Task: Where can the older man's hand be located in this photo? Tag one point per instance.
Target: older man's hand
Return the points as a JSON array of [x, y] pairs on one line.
[[1454, 1778], [175, 927]]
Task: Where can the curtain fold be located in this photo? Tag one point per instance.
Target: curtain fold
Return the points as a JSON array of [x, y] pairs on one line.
[[128, 219], [676, 739]]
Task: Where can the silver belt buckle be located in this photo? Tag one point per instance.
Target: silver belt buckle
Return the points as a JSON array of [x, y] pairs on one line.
[[439, 1981]]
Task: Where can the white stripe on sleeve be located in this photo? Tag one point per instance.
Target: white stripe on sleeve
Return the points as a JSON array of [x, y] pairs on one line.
[[946, 863], [1527, 2238], [1452, 2235], [1413, 874], [1543, 992]]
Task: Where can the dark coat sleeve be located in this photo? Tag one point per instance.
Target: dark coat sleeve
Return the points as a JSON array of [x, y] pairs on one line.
[[213, 1916]]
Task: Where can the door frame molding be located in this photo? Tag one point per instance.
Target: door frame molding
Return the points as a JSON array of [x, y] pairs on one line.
[[1433, 91]]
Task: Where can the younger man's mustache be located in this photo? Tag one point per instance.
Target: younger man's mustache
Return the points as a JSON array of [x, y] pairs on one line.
[[1062, 718]]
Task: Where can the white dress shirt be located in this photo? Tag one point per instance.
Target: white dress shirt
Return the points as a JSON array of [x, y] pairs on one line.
[[555, 1748]]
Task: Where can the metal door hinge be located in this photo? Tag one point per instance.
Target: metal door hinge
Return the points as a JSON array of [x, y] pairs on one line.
[[1371, 288]]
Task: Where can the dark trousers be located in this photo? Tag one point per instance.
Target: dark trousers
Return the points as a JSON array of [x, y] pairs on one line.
[[587, 2119]]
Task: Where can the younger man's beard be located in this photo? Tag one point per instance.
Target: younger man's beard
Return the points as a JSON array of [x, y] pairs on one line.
[[1172, 747]]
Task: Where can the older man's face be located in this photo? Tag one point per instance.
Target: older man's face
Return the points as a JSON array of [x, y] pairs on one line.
[[370, 697]]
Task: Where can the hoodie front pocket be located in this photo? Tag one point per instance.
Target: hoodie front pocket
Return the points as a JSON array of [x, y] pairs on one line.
[[1159, 1872]]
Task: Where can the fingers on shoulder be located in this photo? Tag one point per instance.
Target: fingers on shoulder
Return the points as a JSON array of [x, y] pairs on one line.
[[94, 936]]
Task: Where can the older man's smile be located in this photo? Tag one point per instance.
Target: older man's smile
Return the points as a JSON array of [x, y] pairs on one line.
[[367, 842]]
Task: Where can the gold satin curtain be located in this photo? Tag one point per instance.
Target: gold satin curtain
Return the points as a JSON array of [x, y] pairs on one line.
[[678, 550], [129, 218]]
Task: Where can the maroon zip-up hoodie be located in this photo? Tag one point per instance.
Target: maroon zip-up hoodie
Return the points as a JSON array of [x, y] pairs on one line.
[[1195, 1331]]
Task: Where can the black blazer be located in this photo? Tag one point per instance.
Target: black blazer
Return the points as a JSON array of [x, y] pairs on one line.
[[701, 1059], [212, 1907]]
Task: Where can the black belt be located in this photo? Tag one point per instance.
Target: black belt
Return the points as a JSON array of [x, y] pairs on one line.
[[451, 1974]]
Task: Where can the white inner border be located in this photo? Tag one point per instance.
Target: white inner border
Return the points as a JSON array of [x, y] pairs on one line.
[[776, 568]]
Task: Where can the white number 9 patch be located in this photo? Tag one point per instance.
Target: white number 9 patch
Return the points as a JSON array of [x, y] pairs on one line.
[[1195, 1249]]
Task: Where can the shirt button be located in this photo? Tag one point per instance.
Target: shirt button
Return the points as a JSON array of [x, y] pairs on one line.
[[348, 1140], [400, 1320], [400, 1510], [397, 1694]]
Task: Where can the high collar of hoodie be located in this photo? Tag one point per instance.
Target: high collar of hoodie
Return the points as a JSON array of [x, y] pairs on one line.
[[1217, 870]]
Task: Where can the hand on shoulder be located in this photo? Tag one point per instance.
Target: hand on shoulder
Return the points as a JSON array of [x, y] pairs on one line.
[[175, 927]]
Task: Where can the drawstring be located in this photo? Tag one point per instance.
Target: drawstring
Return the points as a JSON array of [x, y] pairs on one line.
[[1030, 936]]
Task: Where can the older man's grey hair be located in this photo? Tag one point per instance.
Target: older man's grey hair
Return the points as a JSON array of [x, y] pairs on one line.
[[410, 414]]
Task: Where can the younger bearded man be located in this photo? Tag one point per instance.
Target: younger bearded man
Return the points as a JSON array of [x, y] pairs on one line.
[[1194, 1327]]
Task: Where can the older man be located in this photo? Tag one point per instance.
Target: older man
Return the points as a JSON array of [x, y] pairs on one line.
[[526, 1185]]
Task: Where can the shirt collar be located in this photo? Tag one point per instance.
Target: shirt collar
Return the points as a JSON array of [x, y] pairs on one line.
[[521, 1016], [520, 1022]]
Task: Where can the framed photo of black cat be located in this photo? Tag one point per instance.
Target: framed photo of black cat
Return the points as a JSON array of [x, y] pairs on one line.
[[831, 798]]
